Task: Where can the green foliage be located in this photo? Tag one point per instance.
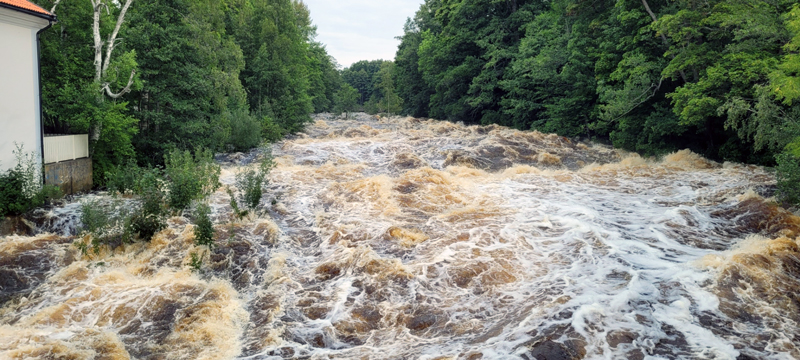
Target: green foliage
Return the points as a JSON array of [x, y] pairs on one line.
[[374, 82], [196, 261], [245, 131], [410, 85], [190, 177], [346, 100], [718, 77], [324, 78], [21, 188], [190, 67], [389, 101], [786, 78], [187, 178], [274, 37], [12, 200], [113, 224], [208, 73], [271, 131], [204, 228], [238, 212], [120, 221], [788, 174], [251, 182], [124, 178], [105, 224], [361, 76], [150, 216], [72, 100]]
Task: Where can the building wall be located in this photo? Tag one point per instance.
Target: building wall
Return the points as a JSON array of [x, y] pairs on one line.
[[19, 85]]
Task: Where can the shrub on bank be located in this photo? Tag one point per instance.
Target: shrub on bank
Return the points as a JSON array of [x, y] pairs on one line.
[[271, 131], [187, 178], [245, 131], [21, 188], [190, 178], [123, 178]]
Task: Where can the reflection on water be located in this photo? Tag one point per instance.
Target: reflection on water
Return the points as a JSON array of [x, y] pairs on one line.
[[408, 238]]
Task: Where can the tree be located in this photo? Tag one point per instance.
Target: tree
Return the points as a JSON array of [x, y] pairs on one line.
[[191, 68], [410, 85], [390, 102], [346, 100], [102, 62], [78, 97], [274, 36], [361, 76], [324, 78]]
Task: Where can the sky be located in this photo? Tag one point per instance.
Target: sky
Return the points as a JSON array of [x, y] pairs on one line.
[[354, 30]]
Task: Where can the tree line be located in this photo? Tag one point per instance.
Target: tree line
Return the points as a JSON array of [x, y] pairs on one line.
[[146, 77], [721, 77]]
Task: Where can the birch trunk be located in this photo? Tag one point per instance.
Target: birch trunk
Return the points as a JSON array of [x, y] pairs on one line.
[[101, 63]]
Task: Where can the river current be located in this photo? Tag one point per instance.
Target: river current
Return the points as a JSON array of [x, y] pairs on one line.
[[407, 238]]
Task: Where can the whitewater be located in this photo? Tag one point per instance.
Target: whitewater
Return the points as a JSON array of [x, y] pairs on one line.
[[404, 238]]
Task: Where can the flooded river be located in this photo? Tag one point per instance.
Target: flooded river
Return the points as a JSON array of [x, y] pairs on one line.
[[417, 239]]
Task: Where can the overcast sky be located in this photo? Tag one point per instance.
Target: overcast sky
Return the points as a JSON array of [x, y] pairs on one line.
[[354, 30]]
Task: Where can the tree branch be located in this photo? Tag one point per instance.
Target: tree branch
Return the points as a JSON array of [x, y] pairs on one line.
[[663, 37], [97, 5], [113, 38], [124, 91], [655, 88], [53, 9]]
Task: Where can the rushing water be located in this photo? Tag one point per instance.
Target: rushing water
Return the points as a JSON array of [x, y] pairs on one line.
[[411, 239]]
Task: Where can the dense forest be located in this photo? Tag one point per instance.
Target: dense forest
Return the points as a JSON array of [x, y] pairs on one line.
[[719, 77], [145, 77]]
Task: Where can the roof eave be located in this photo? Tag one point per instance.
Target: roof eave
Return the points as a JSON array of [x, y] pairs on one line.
[[48, 17]]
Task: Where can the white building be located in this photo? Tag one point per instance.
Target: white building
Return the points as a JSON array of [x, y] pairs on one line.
[[20, 104]]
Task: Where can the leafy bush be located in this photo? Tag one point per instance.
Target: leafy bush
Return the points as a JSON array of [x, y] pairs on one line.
[[251, 182], [107, 224], [122, 222], [150, 216], [788, 174], [245, 131], [12, 199], [124, 178], [272, 132], [196, 262], [204, 228], [21, 188], [190, 178], [238, 212]]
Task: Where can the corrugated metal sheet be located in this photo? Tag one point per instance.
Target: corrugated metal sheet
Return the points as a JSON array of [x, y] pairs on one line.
[[64, 148]]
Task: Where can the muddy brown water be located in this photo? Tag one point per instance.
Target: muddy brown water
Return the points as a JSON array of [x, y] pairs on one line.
[[407, 238]]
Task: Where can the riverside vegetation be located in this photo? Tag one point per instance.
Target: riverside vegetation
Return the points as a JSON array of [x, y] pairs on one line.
[[220, 75], [720, 77], [146, 197], [20, 186]]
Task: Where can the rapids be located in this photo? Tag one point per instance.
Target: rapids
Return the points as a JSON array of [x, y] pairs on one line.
[[414, 239]]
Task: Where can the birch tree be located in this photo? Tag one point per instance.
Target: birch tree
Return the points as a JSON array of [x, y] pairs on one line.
[[104, 54]]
